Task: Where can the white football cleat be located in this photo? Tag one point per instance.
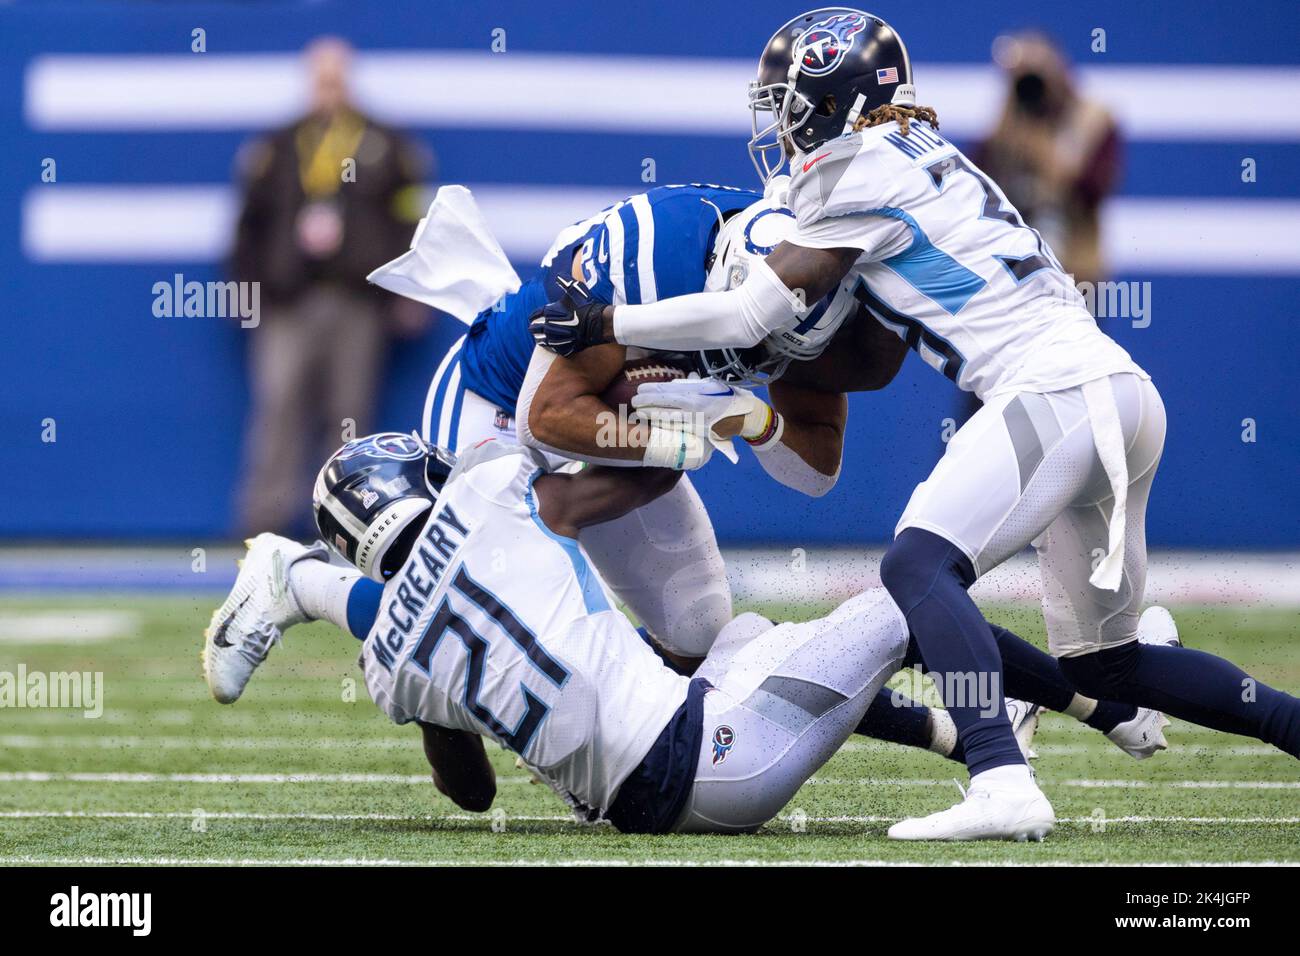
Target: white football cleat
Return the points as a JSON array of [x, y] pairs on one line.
[[1024, 721], [985, 813], [1144, 735], [1156, 626], [254, 615]]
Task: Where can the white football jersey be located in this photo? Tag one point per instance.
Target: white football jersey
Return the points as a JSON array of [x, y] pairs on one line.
[[498, 626], [948, 263]]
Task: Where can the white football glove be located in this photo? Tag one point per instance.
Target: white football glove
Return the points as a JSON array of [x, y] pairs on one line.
[[702, 403]]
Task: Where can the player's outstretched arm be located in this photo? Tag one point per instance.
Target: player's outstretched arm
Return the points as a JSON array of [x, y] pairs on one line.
[[777, 292], [460, 766], [568, 503]]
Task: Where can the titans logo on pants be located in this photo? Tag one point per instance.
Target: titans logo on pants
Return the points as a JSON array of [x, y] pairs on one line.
[[724, 738]]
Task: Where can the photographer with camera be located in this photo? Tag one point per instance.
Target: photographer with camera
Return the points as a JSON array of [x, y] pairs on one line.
[[1055, 154]]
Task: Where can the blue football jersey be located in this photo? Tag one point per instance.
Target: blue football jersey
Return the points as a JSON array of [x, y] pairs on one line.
[[651, 246]]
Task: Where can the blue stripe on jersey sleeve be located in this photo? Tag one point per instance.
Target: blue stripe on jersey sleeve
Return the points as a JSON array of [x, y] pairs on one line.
[[631, 253]]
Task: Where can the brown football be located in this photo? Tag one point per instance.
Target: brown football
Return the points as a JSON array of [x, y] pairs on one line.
[[638, 372]]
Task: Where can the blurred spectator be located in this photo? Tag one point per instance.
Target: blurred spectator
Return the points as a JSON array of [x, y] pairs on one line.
[[325, 201], [1054, 153]]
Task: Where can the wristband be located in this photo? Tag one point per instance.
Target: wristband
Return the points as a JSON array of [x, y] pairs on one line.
[[771, 432]]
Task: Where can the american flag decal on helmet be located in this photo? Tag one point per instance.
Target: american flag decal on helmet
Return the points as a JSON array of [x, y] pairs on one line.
[[888, 75]]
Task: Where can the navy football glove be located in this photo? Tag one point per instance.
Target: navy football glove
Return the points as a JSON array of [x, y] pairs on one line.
[[572, 323]]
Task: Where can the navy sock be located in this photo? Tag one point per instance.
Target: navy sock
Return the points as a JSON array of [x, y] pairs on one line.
[[363, 607], [897, 720], [927, 577], [1109, 714], [1191, 685], [1035, 676]]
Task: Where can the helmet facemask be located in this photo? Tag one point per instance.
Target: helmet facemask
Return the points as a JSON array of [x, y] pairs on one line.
[[773, 144], [753, 367]]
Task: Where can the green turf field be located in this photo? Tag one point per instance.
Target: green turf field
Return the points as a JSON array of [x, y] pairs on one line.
[[304, 768]]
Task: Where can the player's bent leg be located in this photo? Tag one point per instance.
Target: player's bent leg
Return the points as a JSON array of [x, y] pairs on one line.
[[336, 593], [1095, 631], [1191, 685], [897, 719], [663, 562], [1035, 676], [281, 583], [782, 704], [1033, 681], [255, 614]]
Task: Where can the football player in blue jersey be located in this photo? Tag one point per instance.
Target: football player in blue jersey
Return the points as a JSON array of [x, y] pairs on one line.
[[662, 561]]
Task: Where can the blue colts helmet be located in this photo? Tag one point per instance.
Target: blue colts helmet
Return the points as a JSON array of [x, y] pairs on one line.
[[818, 74], [373, 493]]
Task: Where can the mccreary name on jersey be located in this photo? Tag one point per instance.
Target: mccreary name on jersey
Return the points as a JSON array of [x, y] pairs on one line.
[[435, 551]]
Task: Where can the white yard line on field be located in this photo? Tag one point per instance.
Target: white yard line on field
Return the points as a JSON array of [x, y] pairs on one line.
[[354, 861], [544, 818], [1101, 784], [1097, 747], [30, 776], [95, 742], [37, 776]]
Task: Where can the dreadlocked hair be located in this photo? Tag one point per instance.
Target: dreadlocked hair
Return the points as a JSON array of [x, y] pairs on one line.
[[904, 114]]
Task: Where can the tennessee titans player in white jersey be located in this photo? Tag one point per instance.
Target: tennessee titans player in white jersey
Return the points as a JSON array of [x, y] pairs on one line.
[[493, 622], [1061, 455]]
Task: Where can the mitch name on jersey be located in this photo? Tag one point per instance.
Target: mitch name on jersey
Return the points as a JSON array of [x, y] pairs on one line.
[[920, 141]]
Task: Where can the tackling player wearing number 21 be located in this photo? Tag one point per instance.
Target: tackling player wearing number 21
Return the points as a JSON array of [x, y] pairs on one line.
[[492, 622], [1064, 450]]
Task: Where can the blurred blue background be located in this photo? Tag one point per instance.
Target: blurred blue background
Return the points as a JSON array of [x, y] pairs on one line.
[[149, 410]]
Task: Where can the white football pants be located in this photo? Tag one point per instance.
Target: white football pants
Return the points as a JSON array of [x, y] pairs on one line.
[[784, 699], [1026, 469]]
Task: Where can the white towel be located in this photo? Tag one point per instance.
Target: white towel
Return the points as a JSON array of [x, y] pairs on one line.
[[1108, 436], [455, 264]]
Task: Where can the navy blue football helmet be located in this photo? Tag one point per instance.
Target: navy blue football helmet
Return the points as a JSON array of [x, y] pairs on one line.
[[372, 494], [818, 74]]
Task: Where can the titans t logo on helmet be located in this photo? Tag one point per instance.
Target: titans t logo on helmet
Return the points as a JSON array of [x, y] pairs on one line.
[[387, 445], [822, 46]]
